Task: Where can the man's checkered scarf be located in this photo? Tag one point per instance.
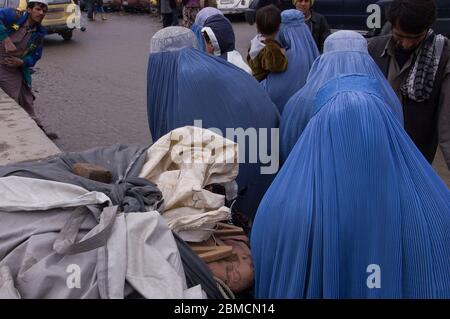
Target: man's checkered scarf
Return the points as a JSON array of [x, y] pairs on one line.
[[420, 82]]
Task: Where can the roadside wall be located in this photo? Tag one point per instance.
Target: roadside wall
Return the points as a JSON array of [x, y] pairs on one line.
[[20, 138]]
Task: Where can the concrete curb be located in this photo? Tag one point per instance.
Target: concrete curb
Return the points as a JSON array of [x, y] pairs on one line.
[[20, 137]]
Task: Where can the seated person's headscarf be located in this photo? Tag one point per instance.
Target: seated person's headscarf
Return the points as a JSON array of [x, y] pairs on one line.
[[185, 85], [356, 211], [199, 23], [301, 51], [221, 35], [344, 52]]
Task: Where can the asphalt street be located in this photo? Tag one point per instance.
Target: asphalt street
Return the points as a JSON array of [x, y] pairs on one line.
[[91, 91]]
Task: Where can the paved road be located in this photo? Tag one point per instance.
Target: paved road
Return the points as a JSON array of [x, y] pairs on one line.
[[92, 90]]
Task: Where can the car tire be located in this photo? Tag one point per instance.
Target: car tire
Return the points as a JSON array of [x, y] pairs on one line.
[[67, 35]]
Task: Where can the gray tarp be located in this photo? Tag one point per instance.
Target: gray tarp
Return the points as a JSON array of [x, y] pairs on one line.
[[61, 241], [124, 163], [28, 240]]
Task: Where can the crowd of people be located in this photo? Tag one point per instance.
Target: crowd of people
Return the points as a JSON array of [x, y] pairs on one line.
[[360, 122]]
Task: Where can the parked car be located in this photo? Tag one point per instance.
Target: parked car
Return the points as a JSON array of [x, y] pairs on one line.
[[353, 15], [55, 20], [233, 6], [250, 13]]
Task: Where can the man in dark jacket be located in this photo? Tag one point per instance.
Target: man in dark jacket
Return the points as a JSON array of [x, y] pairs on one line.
[[21, 42], [316, 22], [416, 62]]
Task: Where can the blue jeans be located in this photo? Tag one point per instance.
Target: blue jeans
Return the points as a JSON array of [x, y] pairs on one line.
[[99, 9]]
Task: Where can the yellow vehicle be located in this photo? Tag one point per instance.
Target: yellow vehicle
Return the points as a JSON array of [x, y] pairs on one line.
[[59, 18]]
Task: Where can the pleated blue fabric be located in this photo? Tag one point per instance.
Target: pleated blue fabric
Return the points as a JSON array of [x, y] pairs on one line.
[[187, 85], [197, 29], [356, 211], [199, 23], [344, 52], [301, 51]]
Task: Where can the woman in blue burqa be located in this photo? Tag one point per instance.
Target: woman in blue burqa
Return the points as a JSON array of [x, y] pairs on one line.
[[344, 52], [185, 85], [356, 211], [220, 41], [199, 23], [301, 51]]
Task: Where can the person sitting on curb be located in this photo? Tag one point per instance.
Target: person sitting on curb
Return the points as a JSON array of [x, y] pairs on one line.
[[265, 54], [21, 42]]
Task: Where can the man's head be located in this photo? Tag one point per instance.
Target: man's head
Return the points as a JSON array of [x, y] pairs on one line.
[[411, 20], [304, 6], [36, 10], [268, 20]]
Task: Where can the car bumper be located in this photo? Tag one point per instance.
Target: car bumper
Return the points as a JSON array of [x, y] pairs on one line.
[[235, 7], [60, 28], [232, 11]]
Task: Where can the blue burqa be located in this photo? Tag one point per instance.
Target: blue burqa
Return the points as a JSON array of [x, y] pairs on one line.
[[344, 52], [185, 84], [356, 211], [301, 51], [223, 33], [199, 23]]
